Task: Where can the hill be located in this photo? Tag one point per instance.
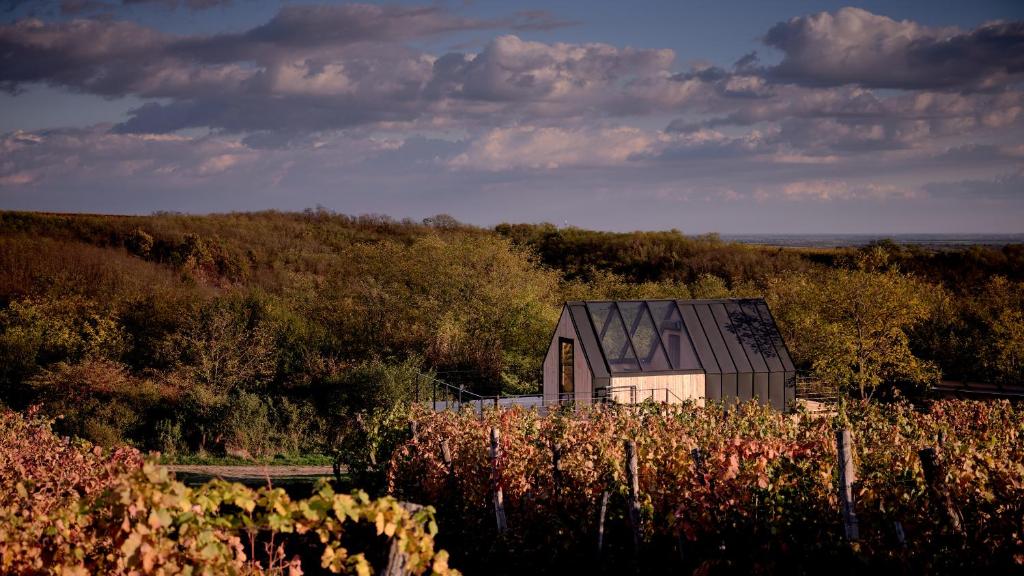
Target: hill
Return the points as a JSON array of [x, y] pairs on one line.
[[270, 332]]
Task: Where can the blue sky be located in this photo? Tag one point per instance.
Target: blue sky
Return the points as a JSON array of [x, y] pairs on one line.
[[759, 117]]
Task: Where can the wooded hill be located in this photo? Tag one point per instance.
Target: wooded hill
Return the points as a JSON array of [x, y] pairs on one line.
[[196, 333]]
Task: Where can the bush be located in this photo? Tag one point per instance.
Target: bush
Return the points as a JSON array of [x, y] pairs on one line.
[[98, 400], [70, 508]]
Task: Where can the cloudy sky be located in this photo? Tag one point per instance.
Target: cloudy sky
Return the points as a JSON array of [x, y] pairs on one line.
[[760, 117]]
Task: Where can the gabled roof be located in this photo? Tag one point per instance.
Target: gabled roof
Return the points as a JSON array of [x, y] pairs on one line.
[[722, 336]]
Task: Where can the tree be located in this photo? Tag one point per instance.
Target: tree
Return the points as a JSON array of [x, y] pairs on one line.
[[851, 326], [1002, 305], [225, 348]]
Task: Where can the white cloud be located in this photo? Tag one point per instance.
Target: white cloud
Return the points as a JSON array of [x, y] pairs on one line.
[[549, 148]]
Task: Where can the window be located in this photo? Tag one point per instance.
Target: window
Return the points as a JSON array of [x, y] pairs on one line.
[[612, 334], [673, 333], [565, 365], [644, 336]]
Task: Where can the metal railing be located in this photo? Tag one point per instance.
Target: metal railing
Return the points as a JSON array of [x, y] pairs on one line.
[[441, 395], [637, 395], [816, 390]]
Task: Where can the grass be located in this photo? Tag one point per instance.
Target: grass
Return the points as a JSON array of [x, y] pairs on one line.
[[277, 460]]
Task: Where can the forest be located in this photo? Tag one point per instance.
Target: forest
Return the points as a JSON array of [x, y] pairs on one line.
[[274, 334]]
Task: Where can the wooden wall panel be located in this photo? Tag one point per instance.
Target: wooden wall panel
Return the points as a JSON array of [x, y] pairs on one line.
[[682, 386], [583, 384]]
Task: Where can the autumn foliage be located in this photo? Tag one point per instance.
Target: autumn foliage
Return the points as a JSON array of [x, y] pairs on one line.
[[67, 507], [747, 490]]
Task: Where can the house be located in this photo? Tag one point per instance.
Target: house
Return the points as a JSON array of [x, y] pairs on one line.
[[668, 351]]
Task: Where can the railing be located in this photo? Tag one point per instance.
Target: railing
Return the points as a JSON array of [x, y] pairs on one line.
[[441, 395], [637, 395], [816, 390]]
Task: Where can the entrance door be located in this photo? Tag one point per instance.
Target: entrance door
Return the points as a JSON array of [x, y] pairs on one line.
[[566, 361]]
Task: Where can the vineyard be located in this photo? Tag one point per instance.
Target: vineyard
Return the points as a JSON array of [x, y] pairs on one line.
[[709, 491], [747, 490], [67, 507]]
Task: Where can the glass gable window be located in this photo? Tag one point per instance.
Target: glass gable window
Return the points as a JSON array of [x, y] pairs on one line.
[[646, 341], [674, 335], [612, 333]]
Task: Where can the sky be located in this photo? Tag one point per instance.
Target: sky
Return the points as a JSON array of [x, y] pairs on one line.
[[774, 116]]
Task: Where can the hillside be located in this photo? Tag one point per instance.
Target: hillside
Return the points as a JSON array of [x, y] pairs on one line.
[[201, 333]]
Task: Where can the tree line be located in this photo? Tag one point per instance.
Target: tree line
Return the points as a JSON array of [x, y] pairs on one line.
[[279, 333]]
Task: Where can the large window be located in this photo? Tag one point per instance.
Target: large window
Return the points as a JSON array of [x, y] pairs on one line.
[[566, 362], [615, 342], [645, 338], [674, 335]]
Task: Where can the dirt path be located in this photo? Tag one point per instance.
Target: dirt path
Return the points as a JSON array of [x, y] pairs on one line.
[[253, 472]]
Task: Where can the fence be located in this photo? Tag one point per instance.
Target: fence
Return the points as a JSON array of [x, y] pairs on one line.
[[441, 395], [816, 390]]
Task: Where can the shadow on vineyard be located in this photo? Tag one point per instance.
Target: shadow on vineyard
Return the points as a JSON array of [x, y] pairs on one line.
[[747, 490]]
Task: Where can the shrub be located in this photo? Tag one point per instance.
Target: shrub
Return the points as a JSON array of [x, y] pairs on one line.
[[71, 508]]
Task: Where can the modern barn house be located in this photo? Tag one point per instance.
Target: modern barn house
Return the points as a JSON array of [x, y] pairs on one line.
[[668, 351]]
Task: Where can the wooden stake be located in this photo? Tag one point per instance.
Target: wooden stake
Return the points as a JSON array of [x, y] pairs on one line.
[[935, 477], [556, 465], [499, 499], [398, 560], [600, 521], [847, 476], [901, 536], [446, 455], [633, 484]]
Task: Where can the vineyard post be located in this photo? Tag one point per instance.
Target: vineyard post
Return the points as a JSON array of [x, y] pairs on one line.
[[847, 476], [446, 457], [398, 560], [934, 476], [600, 522], [633, 483], [556, 465], [499, 499]]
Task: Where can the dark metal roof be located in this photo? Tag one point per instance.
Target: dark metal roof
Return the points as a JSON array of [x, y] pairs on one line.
[[595, 358], [724, 336]]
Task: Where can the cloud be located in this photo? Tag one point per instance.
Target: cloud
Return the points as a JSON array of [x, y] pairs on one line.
[[80, 7], [510, 69], [550, 148], [1007, 187], [175, 4], [854, 46], [341, 98], [92, 156], [335, 67], [831, 190]]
